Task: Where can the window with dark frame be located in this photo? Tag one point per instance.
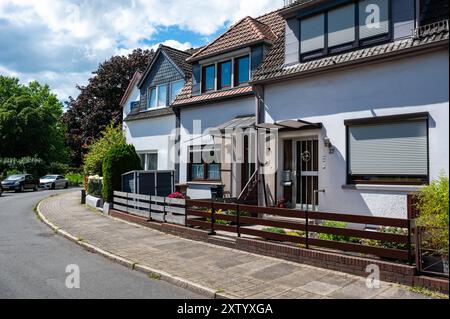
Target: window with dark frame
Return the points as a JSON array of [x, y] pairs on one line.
[[356, 24], [241, 70], [224, 75], [200, 169], [393, 150], [209, 78]]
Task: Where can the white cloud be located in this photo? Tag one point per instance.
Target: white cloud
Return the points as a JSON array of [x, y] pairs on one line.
[[68, 38]]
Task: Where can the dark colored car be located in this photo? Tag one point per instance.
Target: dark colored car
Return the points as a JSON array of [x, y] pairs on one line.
[[1, 189], [20, 182]]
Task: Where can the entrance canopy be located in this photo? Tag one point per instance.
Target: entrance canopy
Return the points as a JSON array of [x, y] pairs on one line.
[[290, 125], [241, 122]]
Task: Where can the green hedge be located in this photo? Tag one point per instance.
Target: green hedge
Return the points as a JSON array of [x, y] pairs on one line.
[[120, 159]]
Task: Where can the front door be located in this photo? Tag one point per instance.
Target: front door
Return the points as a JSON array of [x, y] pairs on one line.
[[307, 179]]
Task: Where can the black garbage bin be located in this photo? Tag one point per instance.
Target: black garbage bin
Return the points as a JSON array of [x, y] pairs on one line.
[[217, 191]]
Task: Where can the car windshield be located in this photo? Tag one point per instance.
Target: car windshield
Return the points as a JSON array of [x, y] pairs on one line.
[[49, 177], [14, 177]]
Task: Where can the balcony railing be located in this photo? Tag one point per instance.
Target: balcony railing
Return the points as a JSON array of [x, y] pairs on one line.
[[288, 3]]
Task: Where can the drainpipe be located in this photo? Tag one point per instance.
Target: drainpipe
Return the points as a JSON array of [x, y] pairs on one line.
[[259, 118], [177, 144]]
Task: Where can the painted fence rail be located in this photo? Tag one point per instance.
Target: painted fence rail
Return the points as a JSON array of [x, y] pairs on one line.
[[304, 225], [249, 220], [162, 209]]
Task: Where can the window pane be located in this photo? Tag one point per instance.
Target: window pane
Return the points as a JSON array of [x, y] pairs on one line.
[[175, 89], [198, 171], [225, 74], [341, 25], [142, 157], [312, 33], [214, 172], [152, 162], [389, 149], [373, 18], [209, 74], [152, 98], [162, 95], [243, 70]]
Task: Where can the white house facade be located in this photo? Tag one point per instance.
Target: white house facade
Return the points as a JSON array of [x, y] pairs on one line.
[[359, 125]]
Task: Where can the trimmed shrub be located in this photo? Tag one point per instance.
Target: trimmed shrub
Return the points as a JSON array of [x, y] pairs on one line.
[[332, 237], [57, 168], [93, 161], [120, 159], [95, 185]]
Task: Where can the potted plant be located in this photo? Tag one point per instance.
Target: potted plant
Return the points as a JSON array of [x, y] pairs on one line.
[[432, 204]]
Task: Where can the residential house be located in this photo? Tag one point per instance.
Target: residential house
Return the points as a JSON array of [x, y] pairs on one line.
[[218, 98], [150, 123], [357, 92]]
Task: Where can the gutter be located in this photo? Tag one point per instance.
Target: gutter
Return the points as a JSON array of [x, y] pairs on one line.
[[373, 59], [212, 100]]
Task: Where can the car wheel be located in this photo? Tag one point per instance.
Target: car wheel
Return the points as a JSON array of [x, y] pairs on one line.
[[66, 186], [35, 188], [22, 189], [53, 186]]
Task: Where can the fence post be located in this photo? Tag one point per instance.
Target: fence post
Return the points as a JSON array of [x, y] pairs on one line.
[[409, 243], [238, 220], [127, 204], [307, 228], [186, 213], [418, 249], [213, 218], [164, 210]]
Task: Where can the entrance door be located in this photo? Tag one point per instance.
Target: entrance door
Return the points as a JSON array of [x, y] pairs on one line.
[[307, 181], [247, 167]]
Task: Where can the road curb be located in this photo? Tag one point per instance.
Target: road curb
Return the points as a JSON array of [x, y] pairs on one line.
[[161, 275]]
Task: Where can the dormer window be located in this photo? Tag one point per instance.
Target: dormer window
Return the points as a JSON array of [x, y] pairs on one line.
[[343, 28], [209, 78], [162, 95], [224, 75], [242, 70]]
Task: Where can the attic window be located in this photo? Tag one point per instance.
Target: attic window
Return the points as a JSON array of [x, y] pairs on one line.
[[342, 28], [242, 70], [209, 78]]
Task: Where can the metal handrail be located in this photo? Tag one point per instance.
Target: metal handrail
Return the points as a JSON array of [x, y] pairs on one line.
[[248, 184]]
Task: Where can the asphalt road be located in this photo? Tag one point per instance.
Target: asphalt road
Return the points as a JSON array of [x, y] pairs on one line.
[[33, 261]]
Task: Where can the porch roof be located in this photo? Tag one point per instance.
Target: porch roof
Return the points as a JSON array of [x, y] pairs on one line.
[[290, 125], [241, 122]]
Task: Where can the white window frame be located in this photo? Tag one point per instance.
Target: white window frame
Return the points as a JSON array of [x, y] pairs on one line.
[[146, 156]]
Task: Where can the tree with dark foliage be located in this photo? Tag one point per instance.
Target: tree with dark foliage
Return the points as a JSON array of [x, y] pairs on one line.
[[98, 104]]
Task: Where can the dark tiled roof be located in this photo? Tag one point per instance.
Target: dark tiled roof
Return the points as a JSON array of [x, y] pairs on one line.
[[179, 58], [185, 97], [244, 32], [273, 66], [137, 115], [268, 25]]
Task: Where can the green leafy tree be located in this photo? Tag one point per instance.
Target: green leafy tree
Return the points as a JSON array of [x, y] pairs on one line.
[[30, 122], [121, 158], [99, 102], [93, 160]]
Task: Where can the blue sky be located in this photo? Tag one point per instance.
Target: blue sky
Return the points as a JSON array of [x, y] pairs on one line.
[[60, 42]]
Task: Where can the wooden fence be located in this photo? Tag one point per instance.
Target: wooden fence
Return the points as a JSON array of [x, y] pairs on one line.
[[157, 208], [242, 219]]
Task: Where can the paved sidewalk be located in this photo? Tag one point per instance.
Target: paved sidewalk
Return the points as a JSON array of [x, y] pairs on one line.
[[230, 273]]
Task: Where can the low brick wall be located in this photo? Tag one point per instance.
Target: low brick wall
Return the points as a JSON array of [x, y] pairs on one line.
[[391, 272]]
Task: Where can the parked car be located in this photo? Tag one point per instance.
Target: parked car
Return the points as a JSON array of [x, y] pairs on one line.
[[1, 189], [53, 182], [20, 182]]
